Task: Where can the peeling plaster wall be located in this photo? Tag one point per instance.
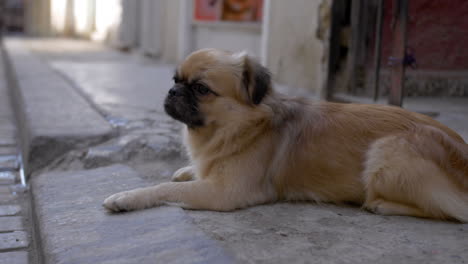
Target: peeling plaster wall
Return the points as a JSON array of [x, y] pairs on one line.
[[296, 50]]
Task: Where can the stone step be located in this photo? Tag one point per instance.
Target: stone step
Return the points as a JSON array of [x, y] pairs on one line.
[[7, 178], [11, 223], [8, 163], [9, 210], [8, 150], [53, 117], [13, 240], [75, 228], [17, 257]]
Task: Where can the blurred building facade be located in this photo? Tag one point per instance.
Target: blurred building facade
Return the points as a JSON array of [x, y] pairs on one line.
[[282, 34], [13, 20], [295, 39]]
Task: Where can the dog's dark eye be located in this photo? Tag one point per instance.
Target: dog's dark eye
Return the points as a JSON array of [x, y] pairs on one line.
[[201, 89]]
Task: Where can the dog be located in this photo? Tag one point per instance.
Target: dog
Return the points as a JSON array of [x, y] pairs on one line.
[[251, 145]]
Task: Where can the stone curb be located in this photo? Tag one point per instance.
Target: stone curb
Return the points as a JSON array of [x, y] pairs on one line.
[[52, 117]]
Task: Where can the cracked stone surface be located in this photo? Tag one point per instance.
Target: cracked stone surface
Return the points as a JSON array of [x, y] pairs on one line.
[[133, 106]]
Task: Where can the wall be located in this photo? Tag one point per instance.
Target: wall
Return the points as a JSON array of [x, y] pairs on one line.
[[160, 29], [294, 53], [437, 33], [129, 27], [181, 35], [83, 13], [107, 18], [286, 42], [437, 36], [170, 28], [38, 17], [69, 17], [228, 36], [216, 25]]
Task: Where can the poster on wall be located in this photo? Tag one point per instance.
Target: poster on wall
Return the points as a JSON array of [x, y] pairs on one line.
[[228, 10]]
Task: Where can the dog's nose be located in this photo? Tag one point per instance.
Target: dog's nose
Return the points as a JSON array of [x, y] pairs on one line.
[[176, 90], [172, 91]]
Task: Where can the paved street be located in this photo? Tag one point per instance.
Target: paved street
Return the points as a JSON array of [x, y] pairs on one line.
[[142, 146]]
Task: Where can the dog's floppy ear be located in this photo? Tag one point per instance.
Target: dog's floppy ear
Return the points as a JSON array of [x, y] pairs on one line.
[[256, 80]]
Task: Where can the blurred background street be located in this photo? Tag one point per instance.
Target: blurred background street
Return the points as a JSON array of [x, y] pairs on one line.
[[81, 117]]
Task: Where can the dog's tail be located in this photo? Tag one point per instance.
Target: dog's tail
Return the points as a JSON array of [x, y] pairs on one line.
[[445, 203], [452, 156]]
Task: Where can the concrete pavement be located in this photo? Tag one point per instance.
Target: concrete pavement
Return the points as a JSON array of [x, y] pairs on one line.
[[127, 92]]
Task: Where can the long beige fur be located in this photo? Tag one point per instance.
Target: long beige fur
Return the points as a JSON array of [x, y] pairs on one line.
[[389, 160]]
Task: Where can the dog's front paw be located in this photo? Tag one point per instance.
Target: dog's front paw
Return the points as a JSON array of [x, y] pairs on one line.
[[123, 201], [183, 174]]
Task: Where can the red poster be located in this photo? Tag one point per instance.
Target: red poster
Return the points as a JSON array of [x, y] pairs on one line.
[[228, 10]]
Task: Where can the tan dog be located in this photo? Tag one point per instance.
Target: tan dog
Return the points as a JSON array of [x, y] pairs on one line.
[[249, 145]]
